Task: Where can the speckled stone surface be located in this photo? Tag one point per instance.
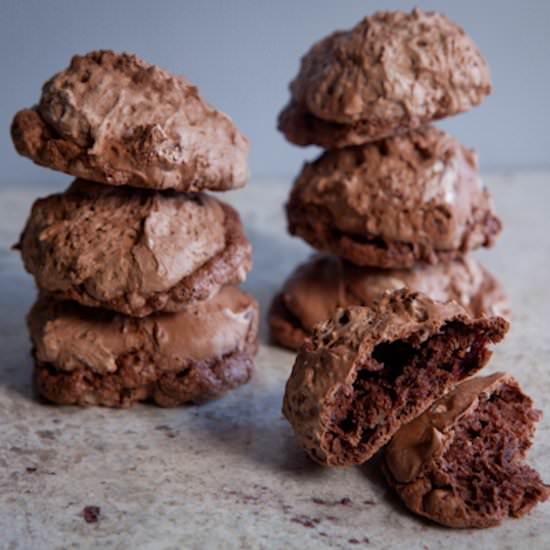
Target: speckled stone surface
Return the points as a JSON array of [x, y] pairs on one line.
[[228, 474]]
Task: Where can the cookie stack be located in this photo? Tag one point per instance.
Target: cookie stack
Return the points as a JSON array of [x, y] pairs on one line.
[[393, 200], [135, 264], [400, 204]]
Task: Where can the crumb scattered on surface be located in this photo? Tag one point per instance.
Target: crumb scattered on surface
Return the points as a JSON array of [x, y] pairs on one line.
[[345, 501], [91, 514], [305, 521]]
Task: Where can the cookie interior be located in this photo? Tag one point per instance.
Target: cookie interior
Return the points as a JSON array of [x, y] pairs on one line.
[[402, 378], [482, 465]]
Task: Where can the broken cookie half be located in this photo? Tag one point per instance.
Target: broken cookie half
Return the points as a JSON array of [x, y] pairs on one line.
[[368, 371], [460, 463]]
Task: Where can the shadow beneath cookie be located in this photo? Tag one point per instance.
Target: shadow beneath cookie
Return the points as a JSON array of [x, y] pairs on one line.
[[247, 427], [16, 377], [16, 363], [372, 471], [275, 257]]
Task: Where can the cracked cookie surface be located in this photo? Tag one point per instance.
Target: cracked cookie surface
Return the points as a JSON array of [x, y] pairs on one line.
[[318, 287], [368, 371], [392, 72], [461, 462], [87, 356], [116, 119], [135, 251], [393, 203]]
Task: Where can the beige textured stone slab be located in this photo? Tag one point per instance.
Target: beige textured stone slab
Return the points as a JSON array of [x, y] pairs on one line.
[[228, 474]]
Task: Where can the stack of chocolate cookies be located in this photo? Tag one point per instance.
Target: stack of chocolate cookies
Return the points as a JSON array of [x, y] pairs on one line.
[[398, 203], [393, 201], [136, 266]]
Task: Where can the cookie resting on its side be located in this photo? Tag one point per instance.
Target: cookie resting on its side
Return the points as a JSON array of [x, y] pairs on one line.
[[391, 73], [368, 371], [116, 119], [135, 251], [460, 463], [86, 356]]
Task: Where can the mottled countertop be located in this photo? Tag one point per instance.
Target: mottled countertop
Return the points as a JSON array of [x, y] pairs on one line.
[[228, 474]]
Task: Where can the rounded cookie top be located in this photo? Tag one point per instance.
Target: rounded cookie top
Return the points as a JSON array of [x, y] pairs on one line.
[[94, 356], [133, 251], [116, 119], [318, 287], [393, 71], [410, 198], [459, 463], [368, 370]]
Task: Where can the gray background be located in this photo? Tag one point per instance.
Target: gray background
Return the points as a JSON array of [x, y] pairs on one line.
[[242, 54]]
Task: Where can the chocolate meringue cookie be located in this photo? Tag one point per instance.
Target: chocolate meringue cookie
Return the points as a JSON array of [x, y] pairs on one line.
[[318, 287], [88, 356], [390, 204], [368, 371], [135, 251], [390, 73], [460, 463], [116, 119]]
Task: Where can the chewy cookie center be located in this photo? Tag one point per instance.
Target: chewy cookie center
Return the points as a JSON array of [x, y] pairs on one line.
[[482, 465], [401, 374]]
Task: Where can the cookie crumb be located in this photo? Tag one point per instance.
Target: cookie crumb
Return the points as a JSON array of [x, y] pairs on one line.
[[306, 521], [91, 514], [345, 501]]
